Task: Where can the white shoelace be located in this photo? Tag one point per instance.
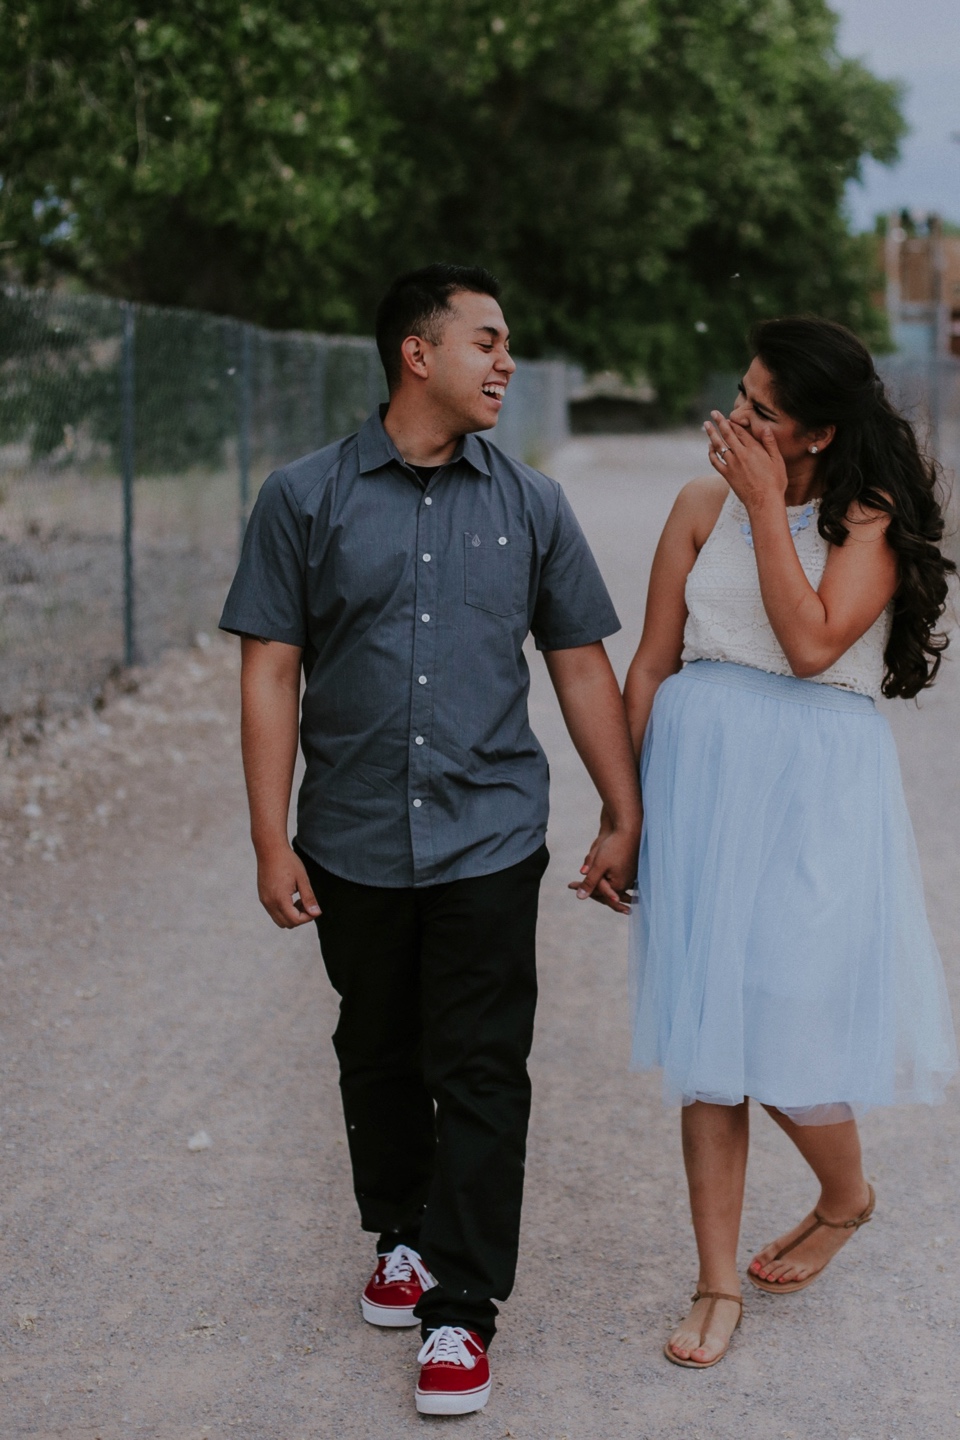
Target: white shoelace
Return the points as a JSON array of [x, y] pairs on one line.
[[449, 1344], [404, 1263]]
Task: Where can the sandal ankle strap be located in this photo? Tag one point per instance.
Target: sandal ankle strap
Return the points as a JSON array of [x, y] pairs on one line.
[[716, 1295], [864, 1218], [843, 1224]]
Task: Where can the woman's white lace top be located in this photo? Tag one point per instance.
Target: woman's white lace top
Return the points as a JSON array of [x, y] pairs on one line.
[[726, 619]]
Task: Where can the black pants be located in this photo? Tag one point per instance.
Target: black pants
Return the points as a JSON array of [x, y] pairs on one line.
[[437, 996]]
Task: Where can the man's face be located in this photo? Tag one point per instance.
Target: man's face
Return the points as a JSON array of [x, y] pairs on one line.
[[469, 370]]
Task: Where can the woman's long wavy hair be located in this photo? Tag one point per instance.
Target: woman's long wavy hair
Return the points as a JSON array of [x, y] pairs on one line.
[[823, 375]]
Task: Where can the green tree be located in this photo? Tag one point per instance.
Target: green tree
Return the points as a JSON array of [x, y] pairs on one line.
[[202, 154], [647, 176]]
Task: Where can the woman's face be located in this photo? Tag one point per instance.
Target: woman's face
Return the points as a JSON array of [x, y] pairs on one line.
[[756, 409]]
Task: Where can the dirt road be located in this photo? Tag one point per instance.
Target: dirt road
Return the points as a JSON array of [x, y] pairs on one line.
[[150, 1289]]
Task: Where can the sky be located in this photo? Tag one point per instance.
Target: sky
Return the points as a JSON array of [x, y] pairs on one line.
[[917, 42]]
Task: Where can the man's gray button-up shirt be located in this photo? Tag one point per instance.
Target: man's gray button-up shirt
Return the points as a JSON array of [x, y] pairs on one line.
[[411, 611]]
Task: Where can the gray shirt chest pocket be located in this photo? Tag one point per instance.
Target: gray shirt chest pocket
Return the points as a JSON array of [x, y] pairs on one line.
[[496, 572]]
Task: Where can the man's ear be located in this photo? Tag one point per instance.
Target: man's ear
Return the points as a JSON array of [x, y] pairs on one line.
[[413, 356]]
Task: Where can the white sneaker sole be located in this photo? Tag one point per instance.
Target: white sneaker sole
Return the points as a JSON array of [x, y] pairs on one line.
[[391, 1317], [461, 1402]]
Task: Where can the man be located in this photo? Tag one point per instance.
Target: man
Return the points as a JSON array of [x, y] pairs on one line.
[[400, 569]]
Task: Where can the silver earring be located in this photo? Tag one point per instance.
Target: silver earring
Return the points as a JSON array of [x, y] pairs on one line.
[[814, 449]]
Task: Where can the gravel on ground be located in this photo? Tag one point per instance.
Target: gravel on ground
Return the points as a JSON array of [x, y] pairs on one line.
[[154, 1287]]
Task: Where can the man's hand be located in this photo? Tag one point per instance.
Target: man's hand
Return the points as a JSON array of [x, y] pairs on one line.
[[284, 888], [610, 868], [270, 689], [593, 709]]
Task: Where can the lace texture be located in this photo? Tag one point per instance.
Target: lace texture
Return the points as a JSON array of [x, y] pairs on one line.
[[726, 619]]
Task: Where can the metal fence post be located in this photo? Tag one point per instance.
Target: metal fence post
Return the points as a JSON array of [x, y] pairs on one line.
[[933, 383], [374, 381], [244, 407], [318, 386], [127, 458]]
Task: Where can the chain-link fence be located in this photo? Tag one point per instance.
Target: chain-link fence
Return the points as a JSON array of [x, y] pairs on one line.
[[927, 391], [132, 442]]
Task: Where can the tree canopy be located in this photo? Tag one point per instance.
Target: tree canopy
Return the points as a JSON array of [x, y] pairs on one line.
[[646, 176]]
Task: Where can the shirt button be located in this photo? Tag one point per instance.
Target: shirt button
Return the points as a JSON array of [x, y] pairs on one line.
[[502, 540], [419, 740], [427, 500], [417, 804], [425, 618], [426, 557], [422, 679]]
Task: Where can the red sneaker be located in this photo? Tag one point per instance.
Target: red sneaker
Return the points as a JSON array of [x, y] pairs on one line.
[[395, 1287], [455, 1374]]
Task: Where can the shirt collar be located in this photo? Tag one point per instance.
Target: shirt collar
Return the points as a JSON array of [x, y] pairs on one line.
[[377, 449]]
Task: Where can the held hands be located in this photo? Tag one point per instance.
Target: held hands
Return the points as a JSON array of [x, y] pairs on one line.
[[610, 867], [284, 889], [753, 469]]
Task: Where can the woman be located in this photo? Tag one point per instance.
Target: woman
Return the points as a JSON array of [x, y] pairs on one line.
[[781, 950]]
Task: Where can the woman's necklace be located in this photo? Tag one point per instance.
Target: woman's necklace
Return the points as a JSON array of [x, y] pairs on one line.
[[801, 523]]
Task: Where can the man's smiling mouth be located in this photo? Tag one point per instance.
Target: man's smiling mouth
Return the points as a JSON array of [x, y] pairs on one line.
[[494, 392]]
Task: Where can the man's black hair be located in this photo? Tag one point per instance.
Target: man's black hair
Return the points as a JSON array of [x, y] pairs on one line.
[[416, 304]]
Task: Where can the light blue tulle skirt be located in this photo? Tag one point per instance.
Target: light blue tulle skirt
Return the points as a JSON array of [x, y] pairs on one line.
[[779, 944]]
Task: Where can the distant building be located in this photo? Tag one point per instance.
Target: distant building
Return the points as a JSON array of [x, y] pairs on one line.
[[607, 404], [922, 269]]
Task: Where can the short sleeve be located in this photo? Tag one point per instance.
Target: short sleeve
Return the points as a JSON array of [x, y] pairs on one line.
[[573, 606], [266, 598]]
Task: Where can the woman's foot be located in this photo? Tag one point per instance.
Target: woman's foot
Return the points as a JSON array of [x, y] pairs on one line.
[[806, 1257], [705, 1334]]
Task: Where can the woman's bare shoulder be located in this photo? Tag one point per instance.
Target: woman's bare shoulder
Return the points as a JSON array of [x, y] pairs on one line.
[[699, 504]]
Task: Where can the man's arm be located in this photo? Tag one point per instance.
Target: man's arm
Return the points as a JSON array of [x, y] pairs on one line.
[[593, 711], [270, 715]]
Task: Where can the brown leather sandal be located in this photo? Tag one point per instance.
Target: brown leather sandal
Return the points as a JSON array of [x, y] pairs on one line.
[[788, 1288], [713, 1296]]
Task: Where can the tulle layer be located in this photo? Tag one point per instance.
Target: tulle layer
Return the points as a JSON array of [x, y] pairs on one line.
[[780, 947]]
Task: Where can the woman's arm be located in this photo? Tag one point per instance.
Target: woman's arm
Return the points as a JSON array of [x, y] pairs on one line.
[[693, 516], [814, 627]]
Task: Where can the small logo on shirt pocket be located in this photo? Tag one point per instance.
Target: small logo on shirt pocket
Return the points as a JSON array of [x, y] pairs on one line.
[[496, 573]]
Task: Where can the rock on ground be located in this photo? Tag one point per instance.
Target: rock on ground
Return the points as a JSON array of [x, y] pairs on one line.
[[157, 1285]]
